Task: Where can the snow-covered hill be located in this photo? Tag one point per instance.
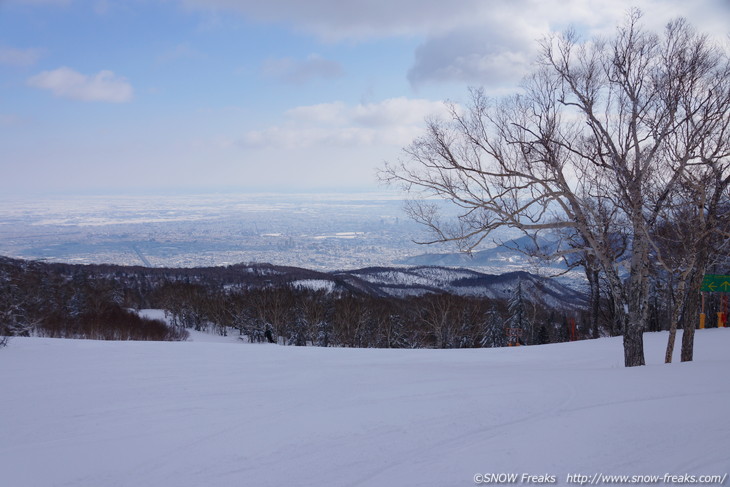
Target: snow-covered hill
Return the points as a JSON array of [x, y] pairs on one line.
[[86, 413], [517, 254], [414, 281], [512, 253]]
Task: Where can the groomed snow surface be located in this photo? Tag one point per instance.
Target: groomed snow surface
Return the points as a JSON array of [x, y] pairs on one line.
[[206, 414]]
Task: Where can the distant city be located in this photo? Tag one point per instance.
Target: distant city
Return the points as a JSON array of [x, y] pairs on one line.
[[316, 231]]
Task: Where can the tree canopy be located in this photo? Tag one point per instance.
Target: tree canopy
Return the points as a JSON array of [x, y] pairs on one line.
[[599, 148]]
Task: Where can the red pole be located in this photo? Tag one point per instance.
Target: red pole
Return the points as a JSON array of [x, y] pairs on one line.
[[573, 334]]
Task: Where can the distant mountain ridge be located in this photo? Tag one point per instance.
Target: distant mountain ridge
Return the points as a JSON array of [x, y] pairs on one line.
[[514, 251], [403, 281]]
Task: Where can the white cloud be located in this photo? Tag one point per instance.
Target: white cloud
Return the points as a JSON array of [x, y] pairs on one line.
[[66, 83], [491, 56], [394, 122], [336, 20], [500, 47], [333, 113], [296, 71], [395, 112], [19, 57], [475, 41]]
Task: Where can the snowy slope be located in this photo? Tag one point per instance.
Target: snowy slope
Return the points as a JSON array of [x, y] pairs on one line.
[[416, 281], [85, 413]]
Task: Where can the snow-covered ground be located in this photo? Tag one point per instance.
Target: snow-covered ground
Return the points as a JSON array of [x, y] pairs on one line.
[[198, 413]]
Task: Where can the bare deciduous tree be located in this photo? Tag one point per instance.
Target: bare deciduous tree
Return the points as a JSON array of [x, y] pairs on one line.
[[695, 232], [588, 149]]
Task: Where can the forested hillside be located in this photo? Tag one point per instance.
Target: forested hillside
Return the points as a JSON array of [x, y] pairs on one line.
[[378, 307]]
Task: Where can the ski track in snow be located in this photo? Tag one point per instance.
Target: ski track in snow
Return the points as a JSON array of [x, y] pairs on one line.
[[224, 413]]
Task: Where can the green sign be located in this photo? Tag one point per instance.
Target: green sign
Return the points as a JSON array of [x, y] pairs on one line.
[[713, 283]]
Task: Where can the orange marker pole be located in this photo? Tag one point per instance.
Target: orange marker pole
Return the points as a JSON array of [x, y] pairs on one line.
[[702, 314], [722, 323]]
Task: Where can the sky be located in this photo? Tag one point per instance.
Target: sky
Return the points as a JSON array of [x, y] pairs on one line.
[[100, 96]]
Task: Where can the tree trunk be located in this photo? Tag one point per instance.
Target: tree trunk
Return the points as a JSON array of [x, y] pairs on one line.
[[637, 300], [595, 297], [670, 342], [690, 317], [629, 307], [688, 338], [634, 344], [676, 313]]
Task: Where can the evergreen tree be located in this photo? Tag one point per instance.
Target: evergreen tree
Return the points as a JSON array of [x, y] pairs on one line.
[[494, 332], [324, 333], [564, 331], [300, 332], [518, 322]]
